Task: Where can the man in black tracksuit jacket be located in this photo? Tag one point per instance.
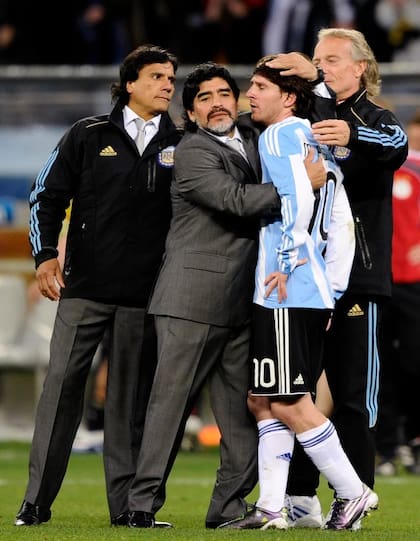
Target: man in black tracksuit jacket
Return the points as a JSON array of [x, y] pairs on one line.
[[369, 145], [120, 216]]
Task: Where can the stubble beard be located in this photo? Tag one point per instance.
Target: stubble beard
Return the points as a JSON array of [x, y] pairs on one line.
[[224, 128]]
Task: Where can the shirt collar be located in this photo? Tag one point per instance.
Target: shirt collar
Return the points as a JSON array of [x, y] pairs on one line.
[[129, 117], [224, 138]]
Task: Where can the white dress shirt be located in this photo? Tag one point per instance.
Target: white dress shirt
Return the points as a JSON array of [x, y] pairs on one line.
[[235, 142], [151, 128]]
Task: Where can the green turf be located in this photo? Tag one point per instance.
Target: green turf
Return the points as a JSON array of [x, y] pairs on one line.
[[80, 510]]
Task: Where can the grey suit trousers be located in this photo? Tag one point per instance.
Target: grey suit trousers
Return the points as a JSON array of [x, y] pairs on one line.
[[78, 330], [189, 353]]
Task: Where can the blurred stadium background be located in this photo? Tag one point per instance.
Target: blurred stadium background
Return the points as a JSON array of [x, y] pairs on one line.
[[37, 104]]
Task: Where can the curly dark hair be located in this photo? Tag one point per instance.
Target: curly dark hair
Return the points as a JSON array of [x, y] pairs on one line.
[[134, 62], [203, 72], [291, 84]]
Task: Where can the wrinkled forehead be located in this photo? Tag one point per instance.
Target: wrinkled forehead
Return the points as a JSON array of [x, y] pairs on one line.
[[333, 47]]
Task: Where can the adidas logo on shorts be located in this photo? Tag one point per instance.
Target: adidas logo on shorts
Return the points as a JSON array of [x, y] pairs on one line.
[[299, 380]]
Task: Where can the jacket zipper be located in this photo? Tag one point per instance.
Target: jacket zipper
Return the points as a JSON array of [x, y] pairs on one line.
[[151, 174], [361, 239]]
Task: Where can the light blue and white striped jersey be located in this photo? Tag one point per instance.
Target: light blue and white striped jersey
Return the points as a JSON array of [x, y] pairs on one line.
[[307, 220]]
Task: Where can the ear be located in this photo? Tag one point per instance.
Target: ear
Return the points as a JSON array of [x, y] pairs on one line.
[[360, 68], [191, 115], [290, 100], [129, 87]]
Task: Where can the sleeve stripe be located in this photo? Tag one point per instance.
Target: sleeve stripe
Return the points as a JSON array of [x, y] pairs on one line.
[[40, 179], [34, 231], [399, 139]]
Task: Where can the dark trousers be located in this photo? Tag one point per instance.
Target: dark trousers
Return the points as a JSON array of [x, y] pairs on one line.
[[351, 362], [399, 419], [78, 330], [189, 354]]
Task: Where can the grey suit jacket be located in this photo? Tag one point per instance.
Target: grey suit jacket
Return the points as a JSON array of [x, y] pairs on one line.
[[207, 273]]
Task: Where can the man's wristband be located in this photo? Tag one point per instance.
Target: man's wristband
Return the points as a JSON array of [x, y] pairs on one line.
[[319, 78]]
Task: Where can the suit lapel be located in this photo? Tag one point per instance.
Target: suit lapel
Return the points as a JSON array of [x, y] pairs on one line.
[[240, 161], [253, 156], [250, 168]]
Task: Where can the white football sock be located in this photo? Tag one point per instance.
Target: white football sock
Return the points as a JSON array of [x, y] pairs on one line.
[[324, 448], [275, 449]]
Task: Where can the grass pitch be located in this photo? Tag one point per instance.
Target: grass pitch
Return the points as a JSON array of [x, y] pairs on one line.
[[80, 510]]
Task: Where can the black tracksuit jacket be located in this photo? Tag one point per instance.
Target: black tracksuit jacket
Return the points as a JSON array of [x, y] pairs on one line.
[[378, 146], [120, 208]]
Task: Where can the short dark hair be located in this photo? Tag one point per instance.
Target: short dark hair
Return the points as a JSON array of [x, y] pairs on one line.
[[134, 62], [203, 72], [292, 84]]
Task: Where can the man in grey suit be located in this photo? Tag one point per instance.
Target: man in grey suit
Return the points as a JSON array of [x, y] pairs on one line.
[[202, 298]]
